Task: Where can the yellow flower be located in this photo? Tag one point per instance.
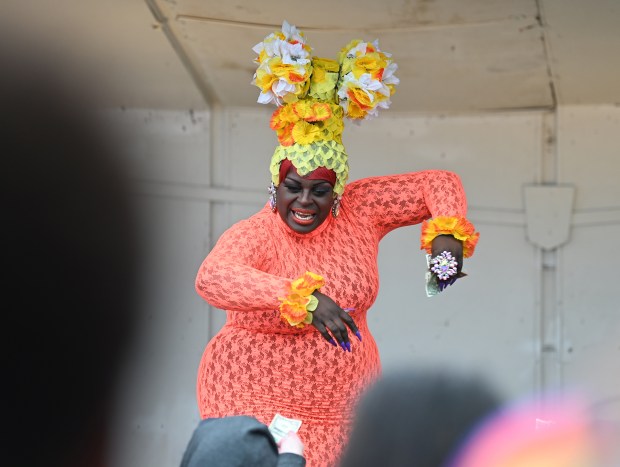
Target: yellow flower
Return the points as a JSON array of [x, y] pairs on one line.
[[288, 114], [303, 109], [318, 74], [264, 80], [286, 71], [325, 64], [306, 133], [324, 79], [362, 98], [354, 111], [369, 63], [281, 121], [462, 229], [346, 48]]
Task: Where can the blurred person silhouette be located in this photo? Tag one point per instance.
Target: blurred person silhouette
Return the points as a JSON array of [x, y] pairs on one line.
[[444, 418], [239, 441], [417, 417], [70, 257]]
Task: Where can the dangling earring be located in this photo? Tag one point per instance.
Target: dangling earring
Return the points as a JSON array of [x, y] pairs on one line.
[[336, 206], [272, 197]]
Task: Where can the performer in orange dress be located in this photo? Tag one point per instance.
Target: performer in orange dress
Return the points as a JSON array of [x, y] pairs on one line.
[[298, 278]]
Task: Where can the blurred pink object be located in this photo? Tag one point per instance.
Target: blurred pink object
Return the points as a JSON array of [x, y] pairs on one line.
[[557, 432]]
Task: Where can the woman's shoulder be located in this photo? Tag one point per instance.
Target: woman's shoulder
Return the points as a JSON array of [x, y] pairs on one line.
[[366, 185]]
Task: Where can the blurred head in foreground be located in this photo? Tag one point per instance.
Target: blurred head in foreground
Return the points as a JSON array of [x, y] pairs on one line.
[[69, 240], [417, 418]]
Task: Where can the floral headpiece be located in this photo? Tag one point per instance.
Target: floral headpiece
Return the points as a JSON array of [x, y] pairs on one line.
[[314, 95]]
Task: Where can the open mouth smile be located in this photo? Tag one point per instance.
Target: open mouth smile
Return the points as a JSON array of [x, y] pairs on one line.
[[303, 217]]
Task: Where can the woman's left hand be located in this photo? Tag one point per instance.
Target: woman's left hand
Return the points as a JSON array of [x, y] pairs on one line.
[[450, 244]]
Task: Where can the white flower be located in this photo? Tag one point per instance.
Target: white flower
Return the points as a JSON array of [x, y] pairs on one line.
[[359, 49], [282, 87], [365, 82], [258, 48], [291, 33], [266, 98], [291, 54], [388, 74]]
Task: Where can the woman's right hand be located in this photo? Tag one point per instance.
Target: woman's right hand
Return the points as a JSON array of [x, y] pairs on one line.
[[329, 317]]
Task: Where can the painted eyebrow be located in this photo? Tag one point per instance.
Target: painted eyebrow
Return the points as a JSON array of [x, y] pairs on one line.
[[296, 182]]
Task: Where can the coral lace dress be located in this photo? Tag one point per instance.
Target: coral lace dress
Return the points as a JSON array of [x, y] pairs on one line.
[[259, 365]]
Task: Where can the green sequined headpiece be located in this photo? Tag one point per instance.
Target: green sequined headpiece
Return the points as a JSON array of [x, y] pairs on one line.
[[314, 95]]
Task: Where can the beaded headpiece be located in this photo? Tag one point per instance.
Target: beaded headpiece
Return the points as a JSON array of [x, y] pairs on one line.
[[314, 95]]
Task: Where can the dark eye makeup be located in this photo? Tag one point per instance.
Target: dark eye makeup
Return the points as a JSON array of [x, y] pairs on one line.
[[320, 189]]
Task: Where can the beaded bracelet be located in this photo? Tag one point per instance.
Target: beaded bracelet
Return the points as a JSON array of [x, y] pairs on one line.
[[297, 307], [459, 227]]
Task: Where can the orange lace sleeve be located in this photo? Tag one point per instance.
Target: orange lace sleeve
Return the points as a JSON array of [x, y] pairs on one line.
[[395, 201], [230, 277]]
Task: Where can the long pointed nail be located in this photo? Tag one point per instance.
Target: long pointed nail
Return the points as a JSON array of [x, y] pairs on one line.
[[333, 342], [344, 347], [348, 310], [348, 344], [359, 335]]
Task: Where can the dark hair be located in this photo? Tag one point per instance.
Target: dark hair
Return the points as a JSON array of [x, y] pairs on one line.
[[417, 417], [70, 259]]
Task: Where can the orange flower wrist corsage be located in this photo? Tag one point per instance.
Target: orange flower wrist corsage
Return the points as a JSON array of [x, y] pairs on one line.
[[297, 307], [459, 227]]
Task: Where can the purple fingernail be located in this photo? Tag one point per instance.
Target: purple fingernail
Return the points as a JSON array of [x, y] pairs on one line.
[[359, 335], [348, 344], [333, 342], [343, 346], [348, 310]]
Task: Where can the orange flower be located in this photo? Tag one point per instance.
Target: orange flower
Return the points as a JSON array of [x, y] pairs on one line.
[[285, 135], [276, 123], [307, 283], [469, 245], [293, 310], [297, 306], [459, 227], [321, 111], [282, 116]]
